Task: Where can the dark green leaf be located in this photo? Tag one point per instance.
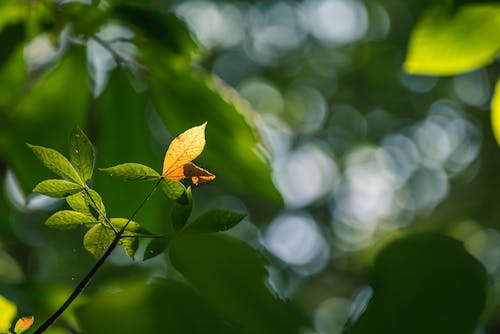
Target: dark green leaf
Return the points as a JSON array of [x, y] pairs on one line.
[[164, 28], [446, 42], [56, 162], [230, 275], [181, 211], [155, 247], [132, 172], [98, 238], [65, 220], [39, 115], [57, 188], [162, 307], [174, 190], [232, 142], [214, 221], [82, 154], [10, 37], [424, 283]]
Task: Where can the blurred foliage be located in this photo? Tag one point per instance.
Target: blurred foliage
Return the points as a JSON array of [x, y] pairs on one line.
[[334, 151]]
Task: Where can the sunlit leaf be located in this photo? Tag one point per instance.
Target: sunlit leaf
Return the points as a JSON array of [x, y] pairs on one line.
[[231, 276], [98, 239], [82, 154], [23, 324], [8, 311], [66, 219], [193, 172], [495, 112], [155, 247], [173, 189], [94, 200], [184, 148], [57, 188], [78, 203], [56, 162], [132, 172], [424, 283], [214, 221], [446, 42], [132, 226], [181, 211]]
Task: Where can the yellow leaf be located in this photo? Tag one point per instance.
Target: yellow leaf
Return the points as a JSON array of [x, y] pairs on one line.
[[23, 324], [183, 149], [190, 170], [495, 112]]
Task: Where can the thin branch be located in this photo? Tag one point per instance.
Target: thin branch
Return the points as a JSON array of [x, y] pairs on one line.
[[85, 281]]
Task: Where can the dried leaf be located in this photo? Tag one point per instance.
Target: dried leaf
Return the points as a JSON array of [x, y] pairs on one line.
[[193, 172]]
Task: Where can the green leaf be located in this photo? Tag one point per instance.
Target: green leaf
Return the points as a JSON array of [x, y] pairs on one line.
[[98, 239], [8, 311], [57, 188], [447, 42], [155, 247], [95, 201], [130, 243], [56, 162], [424, 283], [214, 221], [66, 219], [132, 172], [78, 203], [133, 226], [162, 27], [181, 211], [82, 154], [166, 306], [174, 190], [231, 276], [495, 112]]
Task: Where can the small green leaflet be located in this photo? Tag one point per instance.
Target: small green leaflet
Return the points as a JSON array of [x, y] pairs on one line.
[[181, 211], [174, 190], [82, 154], [132, 172], [66, 219], [98, 238], [57, 188], [57, 163], [78, 203], [214, 221], [95, 201]]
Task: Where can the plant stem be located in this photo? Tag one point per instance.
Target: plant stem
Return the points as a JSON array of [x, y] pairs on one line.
[[85, 281]]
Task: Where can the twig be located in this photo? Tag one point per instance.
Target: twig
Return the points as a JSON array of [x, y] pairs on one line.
[[85, 281]]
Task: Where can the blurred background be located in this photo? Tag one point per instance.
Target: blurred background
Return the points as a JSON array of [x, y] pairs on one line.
[[344, 151]]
